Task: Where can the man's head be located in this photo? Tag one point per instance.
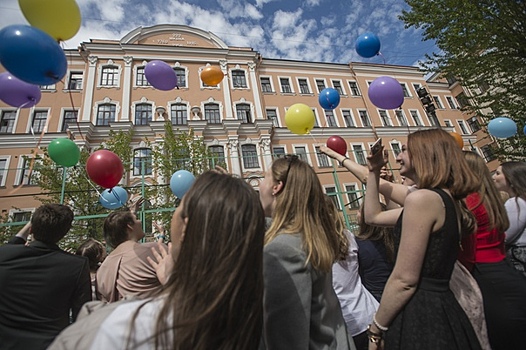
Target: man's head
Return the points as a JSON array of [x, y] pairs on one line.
[[51, 222]]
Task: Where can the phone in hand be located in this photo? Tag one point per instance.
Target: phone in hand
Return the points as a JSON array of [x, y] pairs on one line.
[[376, 147]]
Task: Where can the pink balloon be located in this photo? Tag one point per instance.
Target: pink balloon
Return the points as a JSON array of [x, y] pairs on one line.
[[18, 93], [386, 93], [337, 144], [160, 75], [104, 168]]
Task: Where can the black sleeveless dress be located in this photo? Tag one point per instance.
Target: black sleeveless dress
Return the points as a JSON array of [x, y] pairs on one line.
[[433, 319]]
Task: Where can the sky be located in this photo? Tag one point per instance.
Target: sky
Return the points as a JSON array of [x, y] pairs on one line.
[[308, 30]]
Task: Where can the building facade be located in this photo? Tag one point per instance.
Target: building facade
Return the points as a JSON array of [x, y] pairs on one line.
[[241, 119]]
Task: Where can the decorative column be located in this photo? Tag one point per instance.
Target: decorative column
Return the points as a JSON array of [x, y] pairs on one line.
[[267, 153], [89, 89], [226, 90], [233, 145], [126, 89], [255, 90]]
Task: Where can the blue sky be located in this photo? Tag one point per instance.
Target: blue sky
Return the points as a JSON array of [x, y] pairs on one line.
[[310, 30]]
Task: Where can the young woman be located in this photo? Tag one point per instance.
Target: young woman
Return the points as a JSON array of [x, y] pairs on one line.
[[418, 309], [301, 310], [213, 298]]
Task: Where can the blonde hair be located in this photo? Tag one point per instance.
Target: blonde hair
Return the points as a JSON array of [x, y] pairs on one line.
[[300, 208]]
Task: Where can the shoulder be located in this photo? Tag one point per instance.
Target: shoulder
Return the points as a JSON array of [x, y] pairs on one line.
[[423, 196], [285, 244]]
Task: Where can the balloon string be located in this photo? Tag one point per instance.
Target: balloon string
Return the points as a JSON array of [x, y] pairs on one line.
[[380, 54], [316, 141]]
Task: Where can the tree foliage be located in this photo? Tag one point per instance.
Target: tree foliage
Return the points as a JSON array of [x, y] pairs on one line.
[[483, 45]]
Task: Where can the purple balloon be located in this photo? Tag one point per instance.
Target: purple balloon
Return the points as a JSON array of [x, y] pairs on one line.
[[386, 93], [18, 93], [160, 75]]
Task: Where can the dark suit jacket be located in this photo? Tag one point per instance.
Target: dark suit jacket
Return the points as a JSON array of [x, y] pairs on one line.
[[39, 285]]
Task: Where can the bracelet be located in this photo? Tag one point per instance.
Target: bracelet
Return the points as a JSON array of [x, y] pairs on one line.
[[380, 327], [374, 338], [343, 160]]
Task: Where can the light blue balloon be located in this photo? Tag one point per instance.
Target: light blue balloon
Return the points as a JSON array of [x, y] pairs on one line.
[[502, 127], [113, 198], [367, 45], [329, 98], [181, 182]]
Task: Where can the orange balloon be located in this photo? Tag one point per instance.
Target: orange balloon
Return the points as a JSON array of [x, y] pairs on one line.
[[458, 139], [212, 76]]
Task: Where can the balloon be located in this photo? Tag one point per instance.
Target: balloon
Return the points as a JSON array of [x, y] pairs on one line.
[[59, 18], [367, 45], [160, 75], [64, 152], [337, 144], [329, 98], [18, 93], [458, 139], [212, 75], [502, 127], [104, 168], [31, 55], [113, 198], [300, 118], [181, 182], [386, 93], [524, 130]]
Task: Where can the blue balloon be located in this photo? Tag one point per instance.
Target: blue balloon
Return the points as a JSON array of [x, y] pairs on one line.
[[502, 127], [32, 55], [368, 45], [113, 198], [524, 130], [181, 182], [329, 98]]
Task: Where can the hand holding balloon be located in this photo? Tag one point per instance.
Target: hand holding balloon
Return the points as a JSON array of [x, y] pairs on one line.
[[337, 144]]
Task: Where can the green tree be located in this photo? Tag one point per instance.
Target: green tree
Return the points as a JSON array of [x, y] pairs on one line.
[[482, 45]]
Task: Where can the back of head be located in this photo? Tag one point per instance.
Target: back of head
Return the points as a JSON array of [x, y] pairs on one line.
[[116, 227], [51, 222], [216, 292], [94, 251], [515, 174], [301, 208], [489, 194], [340, 227]]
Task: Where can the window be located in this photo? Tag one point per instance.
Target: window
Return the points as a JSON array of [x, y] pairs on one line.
[[39, 121], [21, 216], [110, 75], [212, 113], [416, 86], [364, 117], [250, 156], [69, 119], [75, 81], [218, 156], [178, 114], [265, 84], [304, 86], [301, 152], [142, 162], [416, 117], [447, 123], [329, 116], [140, 78], [451, 103], [143, 114], [337, 85], [180, 73], [320, 84], [331, 192], [386, 121], [7, 121], [29, 173], [483, 87], [285, 85], [352, 195], [316, 125], [278, 152], [433, 119], [462, 100], [47, 87], [323, 160], [243, 113], [106, 114], [355, 91], [395, 146], [272, 115], [238, 78], [463, 128], [359, 154], [3, 171], [487, 152], [474, 124], [347, 117], [406, 91], [438, 102], [400, 116]]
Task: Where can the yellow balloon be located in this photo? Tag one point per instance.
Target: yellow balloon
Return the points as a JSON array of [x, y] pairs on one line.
[[58, 18], [300, 118], [212, 75]]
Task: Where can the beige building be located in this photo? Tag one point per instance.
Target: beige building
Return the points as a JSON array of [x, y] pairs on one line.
[[241, 119]]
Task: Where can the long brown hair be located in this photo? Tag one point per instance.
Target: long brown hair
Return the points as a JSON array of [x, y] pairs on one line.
[[515, 175], [300, 208], [214, 296], [489, 195], [383, 234]]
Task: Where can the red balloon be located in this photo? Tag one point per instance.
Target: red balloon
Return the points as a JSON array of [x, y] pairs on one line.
[[337, 144], [105, 168]]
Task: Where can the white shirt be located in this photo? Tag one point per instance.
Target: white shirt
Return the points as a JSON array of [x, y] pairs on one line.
[[517, 215], [358, 305]]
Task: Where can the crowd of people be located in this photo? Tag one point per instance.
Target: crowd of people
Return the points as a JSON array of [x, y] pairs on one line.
[[439, 262]]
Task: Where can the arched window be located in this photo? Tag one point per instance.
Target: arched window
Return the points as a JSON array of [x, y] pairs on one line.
[[179, 114], [250, 156], [109, 76], [243, 112], [212, 115], [142, 161], [143, 113]]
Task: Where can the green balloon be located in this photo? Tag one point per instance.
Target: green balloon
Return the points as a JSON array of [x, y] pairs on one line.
[[64, 152]]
